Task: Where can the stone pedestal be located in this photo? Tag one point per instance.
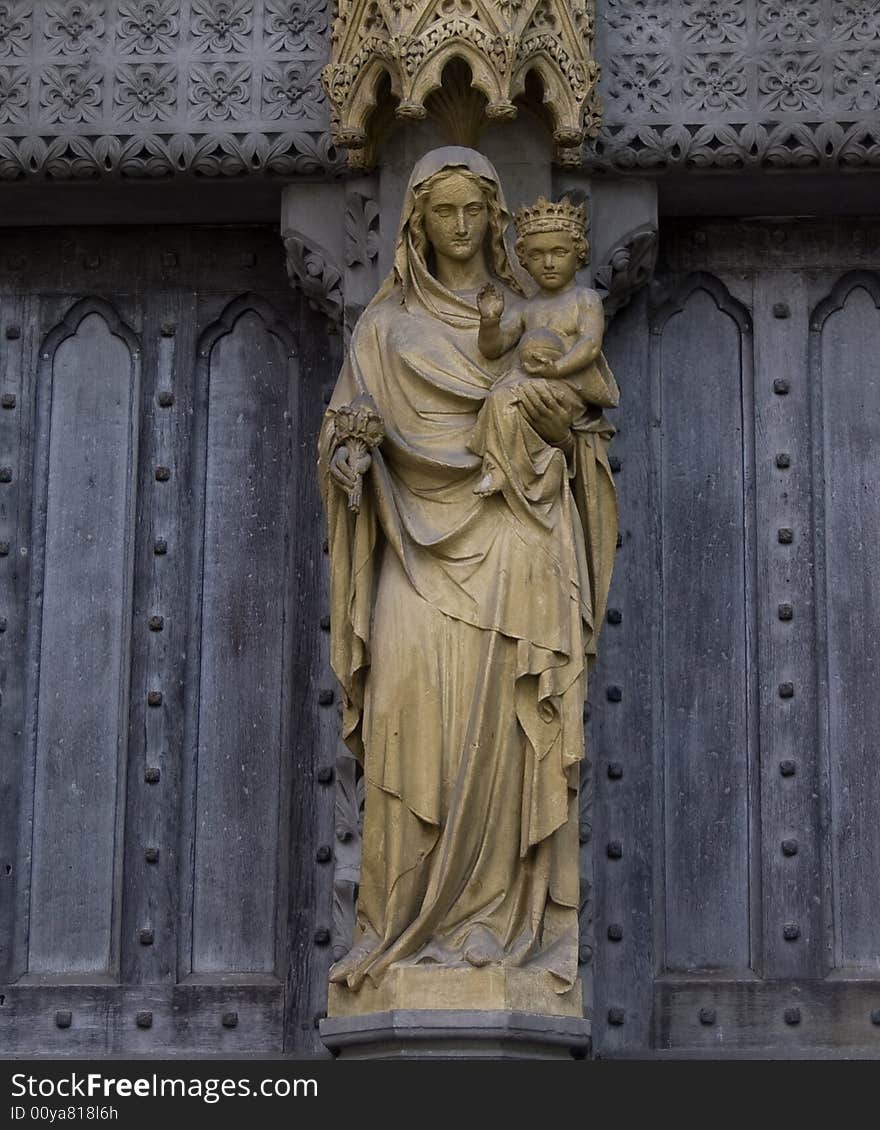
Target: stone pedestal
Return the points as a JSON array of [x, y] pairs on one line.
[[430, 1012], [456, 1034], [431, 987]]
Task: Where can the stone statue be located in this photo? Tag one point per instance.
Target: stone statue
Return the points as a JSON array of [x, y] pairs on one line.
[[463, 625], [559, 333]]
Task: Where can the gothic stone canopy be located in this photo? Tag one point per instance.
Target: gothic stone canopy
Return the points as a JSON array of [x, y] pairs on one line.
[[505, 44]]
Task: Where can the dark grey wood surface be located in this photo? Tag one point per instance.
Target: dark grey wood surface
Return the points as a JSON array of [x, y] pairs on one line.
[[759, 341], [706, 661], [242, 643], [162, 652], [18, 367], [846, 341], [151, 890], [790, 883], [620, 734], [88, 418]]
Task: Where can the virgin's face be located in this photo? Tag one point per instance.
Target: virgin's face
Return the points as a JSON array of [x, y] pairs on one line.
[[456, 218]]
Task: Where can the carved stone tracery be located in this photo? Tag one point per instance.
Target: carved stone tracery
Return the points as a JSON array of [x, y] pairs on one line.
[[227, 88], [155, 88], [505, 44], [738, 84]]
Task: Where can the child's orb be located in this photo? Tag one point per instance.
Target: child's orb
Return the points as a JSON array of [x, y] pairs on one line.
[[539, 346]]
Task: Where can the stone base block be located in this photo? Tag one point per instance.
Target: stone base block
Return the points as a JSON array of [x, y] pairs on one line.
[[456, 1034], [431, 987]]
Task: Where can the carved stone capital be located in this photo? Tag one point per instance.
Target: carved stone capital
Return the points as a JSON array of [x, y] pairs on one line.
[[331, 238], [629, 267], [309, 269], [536, 51], [623, 234]]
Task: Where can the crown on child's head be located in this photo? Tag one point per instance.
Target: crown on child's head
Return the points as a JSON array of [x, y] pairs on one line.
[[545, 216]]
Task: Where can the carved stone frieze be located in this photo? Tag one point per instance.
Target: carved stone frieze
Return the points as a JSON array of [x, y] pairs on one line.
[[738, 83], [503, 42], [220, 88], [158, 88]]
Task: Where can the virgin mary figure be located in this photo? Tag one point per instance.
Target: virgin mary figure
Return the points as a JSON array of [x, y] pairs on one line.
[[462, 632]]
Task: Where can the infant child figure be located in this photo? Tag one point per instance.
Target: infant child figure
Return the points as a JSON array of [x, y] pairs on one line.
[[559, 332]]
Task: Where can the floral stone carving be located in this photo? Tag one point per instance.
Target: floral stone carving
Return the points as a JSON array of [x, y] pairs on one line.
[[700, 84], [506, 44], [161, 89]]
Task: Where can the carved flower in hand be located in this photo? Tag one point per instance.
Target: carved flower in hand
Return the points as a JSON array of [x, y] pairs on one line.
[[360, 422]]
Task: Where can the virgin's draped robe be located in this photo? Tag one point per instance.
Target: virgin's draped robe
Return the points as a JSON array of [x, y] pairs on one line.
[[462, 630]]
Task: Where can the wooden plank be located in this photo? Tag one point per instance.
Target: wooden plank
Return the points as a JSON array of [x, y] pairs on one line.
[[175, 269], [159, 661], [46, 314], [315, 729], [19, 331], [782, 1018], [89, 410], [705, 652], [847, 333], [243, 616], [148, 1020], [791, 812], [120, 259], [620, 744]]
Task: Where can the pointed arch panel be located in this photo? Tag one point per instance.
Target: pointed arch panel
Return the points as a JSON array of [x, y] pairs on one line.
[[83, 524], [244, 405], [703, 391]]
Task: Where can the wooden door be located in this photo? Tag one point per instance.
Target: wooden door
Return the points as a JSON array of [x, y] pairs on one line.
[[734, 727], [160, 879]]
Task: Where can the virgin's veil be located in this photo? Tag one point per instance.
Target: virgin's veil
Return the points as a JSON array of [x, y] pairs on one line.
[[410, 275]]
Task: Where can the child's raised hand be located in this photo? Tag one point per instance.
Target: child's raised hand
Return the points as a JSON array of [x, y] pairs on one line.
[[490, 303]]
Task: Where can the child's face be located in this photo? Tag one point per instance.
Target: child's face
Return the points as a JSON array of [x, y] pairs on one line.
[[551, 258]]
